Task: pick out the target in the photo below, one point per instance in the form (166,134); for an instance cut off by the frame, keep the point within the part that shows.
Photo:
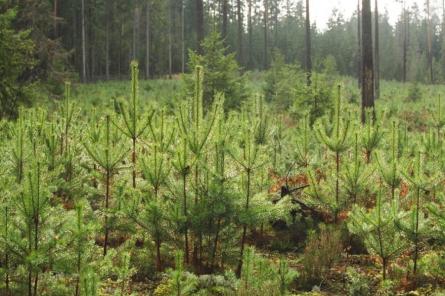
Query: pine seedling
(6,183)
(68,114)
(438,213)
(248,157)
(439,120)
(134,126)
(356,176)
(182,165)
(389,171)
(108,157)
(371,135)
(302,143)
(51,145)
(89,282)
(149,214)
(336,141)
(181,285)
(196,129)
(286,276)
(18,151)
(432,145)
(155,168)
(378,231)
(415,227)
(80,231)
(32,206)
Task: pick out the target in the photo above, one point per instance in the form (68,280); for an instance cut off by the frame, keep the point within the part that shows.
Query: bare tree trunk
(107,40)
(359,50)
(182,38)
(308,45)
(266,37)
(249,24)
(405,41)
(136,26)
(377,51)
(430,41)
(367,59)
(147,40)
(199,23)
(84,54)
(56,33)
(225,11)
(170,41)
(240,32)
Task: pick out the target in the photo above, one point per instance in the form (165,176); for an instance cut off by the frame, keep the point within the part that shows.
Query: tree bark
(199,24)
(249,25)
(170,41)
(240,32)
(308,45)
(107,40)
(225,11)
(359,50)
(84,58)
(377,51)
(56,33)
(266,29)
(147,40)
(367,59)
(405,42)
(430,41)
(182,38)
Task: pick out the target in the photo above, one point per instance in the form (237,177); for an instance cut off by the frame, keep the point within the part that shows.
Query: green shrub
(322,250)
(221,73)
(357,284)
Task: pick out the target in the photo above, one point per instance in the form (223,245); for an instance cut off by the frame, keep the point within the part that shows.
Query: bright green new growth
(415,226)
(371,135)
(337,141)
(390,172)
(377,229)
(133,123)
(356,175)
(108,156)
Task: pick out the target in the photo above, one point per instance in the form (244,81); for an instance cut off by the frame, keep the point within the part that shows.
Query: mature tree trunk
(136,33)
(107,40)
(182,38)
(430,41)
(55,7)
(84,52)
(266,37)
(147,40)
(359,50)
(377,51)
(367,59)
(225,11)
(249,25)
(240,32)
(199,24)
(170,41)
(405,42)
(308,45)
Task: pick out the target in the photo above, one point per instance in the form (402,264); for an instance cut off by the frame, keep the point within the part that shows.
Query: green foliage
(222,73)
(378,230)
(16,57)
(323,249)
(358,285)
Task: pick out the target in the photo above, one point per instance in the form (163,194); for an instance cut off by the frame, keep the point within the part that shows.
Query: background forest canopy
(97,39)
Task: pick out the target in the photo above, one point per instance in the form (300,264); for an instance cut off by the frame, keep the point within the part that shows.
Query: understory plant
(107,154)
(335,136)
(377,229)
